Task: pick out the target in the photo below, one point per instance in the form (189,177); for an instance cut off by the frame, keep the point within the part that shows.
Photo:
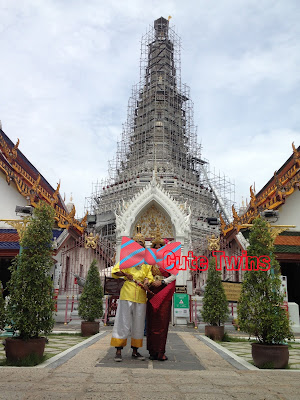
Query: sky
(68,67)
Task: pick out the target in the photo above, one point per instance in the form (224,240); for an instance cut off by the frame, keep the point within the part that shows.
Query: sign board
(232,291)
(180,289)
(181,305)
(113,286)
(189,288)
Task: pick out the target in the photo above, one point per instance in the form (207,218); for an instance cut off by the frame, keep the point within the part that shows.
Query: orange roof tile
(287,240)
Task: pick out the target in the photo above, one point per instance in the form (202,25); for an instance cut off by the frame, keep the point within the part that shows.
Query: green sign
(181,300)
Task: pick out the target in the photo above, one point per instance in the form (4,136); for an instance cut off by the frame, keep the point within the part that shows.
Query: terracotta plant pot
(89,328)
(17,349)
(270,355)
(214,332)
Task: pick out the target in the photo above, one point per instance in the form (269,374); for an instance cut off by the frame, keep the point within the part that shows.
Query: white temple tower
(158,177)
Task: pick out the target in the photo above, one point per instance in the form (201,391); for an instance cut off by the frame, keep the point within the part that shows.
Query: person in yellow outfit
(131,311)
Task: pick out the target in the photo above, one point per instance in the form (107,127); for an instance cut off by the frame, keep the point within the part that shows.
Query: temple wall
(289,213)
(9,199)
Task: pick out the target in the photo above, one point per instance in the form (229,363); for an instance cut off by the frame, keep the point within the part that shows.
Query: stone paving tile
(219,380)
(6,395)
(206,396)
(179,355)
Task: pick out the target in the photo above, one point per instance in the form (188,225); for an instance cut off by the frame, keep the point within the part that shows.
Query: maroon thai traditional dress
(159,314)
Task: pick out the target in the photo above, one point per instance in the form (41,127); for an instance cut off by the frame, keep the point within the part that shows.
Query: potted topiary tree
(215,305)
(2,309)
(30,304)
(90,302)
(259,310)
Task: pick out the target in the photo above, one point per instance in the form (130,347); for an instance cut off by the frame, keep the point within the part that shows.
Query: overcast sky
(67,68)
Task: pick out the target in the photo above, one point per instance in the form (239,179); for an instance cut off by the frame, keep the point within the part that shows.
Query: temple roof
(32,185)
(24,163)
(9,238)
(272,196)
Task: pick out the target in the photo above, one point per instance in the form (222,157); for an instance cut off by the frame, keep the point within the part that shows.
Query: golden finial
(139,237)
(158,239)
(36,183)
(169,17)
(234,213)
(296,155)
(223,223)
(14,149)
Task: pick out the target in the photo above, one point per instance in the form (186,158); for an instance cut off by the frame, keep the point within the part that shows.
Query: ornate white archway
(179,215)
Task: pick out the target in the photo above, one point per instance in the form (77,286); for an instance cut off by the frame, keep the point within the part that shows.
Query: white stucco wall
(289,213)
(9,199)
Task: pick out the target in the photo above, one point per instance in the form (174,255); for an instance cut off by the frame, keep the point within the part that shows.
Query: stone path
(180,357)
(81,377)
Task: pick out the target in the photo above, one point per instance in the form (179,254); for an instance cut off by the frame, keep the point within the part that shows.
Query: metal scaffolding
(160,135)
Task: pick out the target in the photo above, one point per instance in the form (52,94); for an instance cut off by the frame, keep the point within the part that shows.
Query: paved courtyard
(194,371)
(56,344)
(243,349)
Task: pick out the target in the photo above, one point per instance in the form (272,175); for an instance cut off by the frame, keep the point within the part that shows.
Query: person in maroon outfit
(158,315)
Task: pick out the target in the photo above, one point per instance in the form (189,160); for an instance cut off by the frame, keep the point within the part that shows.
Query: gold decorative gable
(281,186)
(31,189)
(152,219)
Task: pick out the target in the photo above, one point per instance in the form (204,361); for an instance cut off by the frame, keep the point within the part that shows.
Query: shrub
(2,308)
(30,305)
(259,309)
(215,305)
(90,302)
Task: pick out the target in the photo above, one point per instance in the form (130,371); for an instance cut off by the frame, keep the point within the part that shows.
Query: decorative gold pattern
(275,230)
(33,191)
(152,219)
(91,241)
(156,273)
(213,242)
(296,155)
(223,223)
(10,154)
(252,199)
(18,224)
(282,185)
(139,237)
(158,239)
(14,152)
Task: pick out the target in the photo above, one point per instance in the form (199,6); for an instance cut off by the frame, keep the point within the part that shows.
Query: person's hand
(129,277)
(156,283)
(146,281)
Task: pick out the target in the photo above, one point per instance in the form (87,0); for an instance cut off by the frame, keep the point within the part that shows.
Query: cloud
(254,159)
(68,69)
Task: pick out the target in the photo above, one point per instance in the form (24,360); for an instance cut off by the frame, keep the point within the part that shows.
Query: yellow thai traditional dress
(131,311)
